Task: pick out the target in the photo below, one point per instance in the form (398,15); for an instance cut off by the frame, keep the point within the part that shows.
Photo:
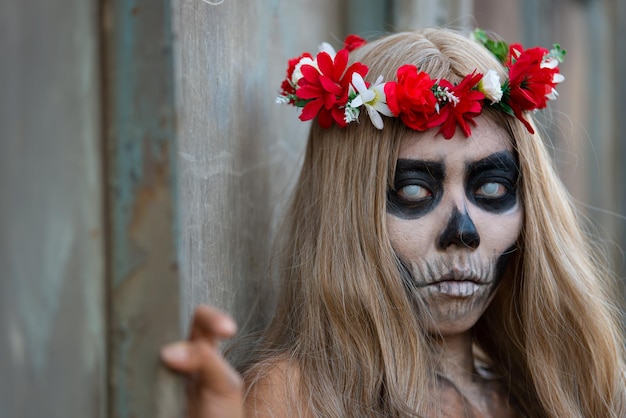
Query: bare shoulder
(273,390)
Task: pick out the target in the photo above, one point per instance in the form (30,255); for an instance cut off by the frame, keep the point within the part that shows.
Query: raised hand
(215,389)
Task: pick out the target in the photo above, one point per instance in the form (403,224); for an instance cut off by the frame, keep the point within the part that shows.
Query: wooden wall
(238,151)
(139,154)
(586,123)
(144,167)
(52,316)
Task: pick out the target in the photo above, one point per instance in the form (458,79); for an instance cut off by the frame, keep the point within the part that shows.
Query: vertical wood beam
(415,14)
(140,148)
(239,151)
(618,25)
(52,339)
(368,17)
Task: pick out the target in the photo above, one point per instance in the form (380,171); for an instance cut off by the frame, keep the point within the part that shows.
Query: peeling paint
(141,146)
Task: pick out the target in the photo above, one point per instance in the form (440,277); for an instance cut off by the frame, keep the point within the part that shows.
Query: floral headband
(326,88)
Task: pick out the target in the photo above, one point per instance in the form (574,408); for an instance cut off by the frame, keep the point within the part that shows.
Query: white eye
(414,192)
(492,190)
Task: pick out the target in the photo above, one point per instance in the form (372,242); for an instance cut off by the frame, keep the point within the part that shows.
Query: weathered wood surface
(585,124)
(52,332)
(616,19)
(238,150)
(140,146)
(77,195)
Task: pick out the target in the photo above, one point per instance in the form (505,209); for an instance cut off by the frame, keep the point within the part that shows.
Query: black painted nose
(460,231)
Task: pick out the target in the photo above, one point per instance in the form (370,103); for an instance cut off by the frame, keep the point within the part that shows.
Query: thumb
(202,360)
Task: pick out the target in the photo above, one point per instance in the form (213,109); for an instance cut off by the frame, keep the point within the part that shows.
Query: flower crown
(326,88)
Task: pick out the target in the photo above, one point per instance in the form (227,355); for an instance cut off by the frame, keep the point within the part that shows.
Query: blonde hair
(345,319)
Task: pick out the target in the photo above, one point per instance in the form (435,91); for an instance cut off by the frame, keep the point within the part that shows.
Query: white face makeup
(453,218)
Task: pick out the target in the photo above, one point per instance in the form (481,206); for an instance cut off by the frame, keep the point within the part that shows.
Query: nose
(459,231)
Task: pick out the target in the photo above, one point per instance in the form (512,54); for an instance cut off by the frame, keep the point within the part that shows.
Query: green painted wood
(143,291)
(52,326)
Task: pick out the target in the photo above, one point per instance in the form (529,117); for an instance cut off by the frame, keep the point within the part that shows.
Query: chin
(448,329)
(453,316)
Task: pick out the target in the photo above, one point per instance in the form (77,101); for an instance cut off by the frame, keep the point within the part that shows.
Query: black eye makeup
(418,187)
(491,183)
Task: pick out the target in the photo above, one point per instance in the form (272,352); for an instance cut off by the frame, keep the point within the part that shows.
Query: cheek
(410,236)
(499,231)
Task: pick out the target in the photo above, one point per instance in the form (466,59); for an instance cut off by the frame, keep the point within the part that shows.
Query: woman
(433,264)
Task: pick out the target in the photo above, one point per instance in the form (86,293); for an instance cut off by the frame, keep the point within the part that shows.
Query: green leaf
(301,102)
(504,107)
(557,53)
(499,49)
(480,35)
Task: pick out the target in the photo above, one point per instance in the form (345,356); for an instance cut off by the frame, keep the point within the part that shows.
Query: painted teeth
(456,288)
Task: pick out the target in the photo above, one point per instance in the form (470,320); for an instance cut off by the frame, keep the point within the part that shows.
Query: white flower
(444,95)
(450,97)
(297,70)
(490,86)
(552,95)
(374,100)
(549,62)
(328,48)
(351,113)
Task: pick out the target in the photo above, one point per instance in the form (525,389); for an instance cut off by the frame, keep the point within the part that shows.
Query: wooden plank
(586,122)
(368,18)
(238,151)
(52,344)
(412,14)
(618,24)
(140,145)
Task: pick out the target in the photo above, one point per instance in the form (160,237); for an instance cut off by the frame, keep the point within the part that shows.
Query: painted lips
(456,285)
(455,288)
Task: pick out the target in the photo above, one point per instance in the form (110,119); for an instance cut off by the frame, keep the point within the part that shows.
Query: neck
(456,359)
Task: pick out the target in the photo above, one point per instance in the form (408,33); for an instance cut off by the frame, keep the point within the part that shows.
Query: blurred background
(144,167)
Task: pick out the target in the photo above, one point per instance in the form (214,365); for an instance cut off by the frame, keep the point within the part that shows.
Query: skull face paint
(454,218)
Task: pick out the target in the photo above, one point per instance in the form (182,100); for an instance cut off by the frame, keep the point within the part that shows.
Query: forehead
(486,139)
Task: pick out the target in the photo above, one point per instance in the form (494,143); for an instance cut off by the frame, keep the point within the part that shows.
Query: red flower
(353,42)
(411,97)
(327,90)
(287,89)
(466,105)
(529,81)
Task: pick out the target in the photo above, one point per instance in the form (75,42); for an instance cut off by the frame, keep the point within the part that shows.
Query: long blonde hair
(345,319)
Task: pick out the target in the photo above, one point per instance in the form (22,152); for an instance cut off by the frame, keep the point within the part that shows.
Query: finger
(211,324)
(203,361)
